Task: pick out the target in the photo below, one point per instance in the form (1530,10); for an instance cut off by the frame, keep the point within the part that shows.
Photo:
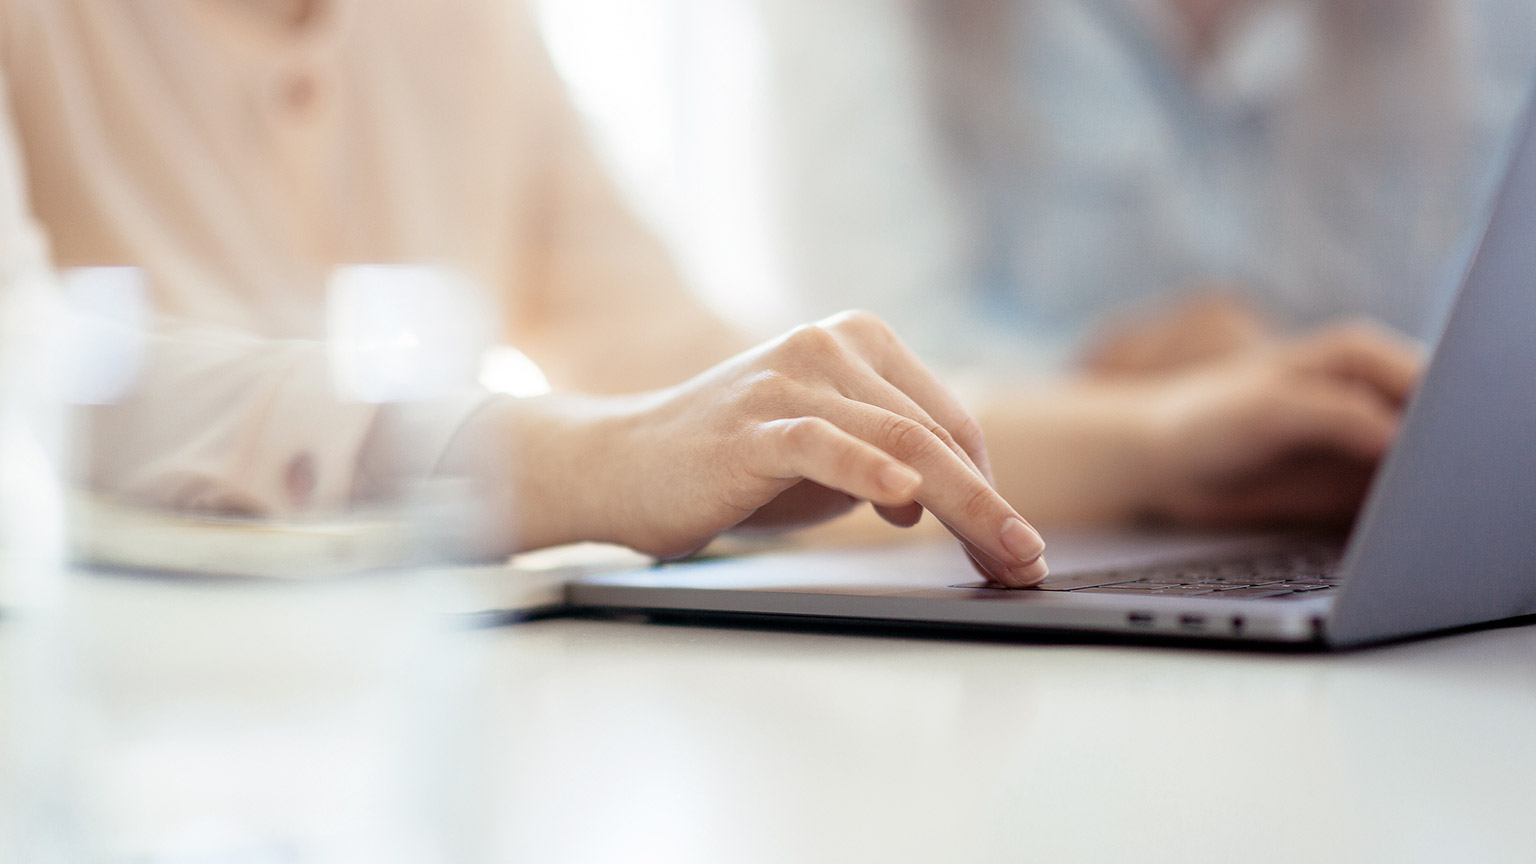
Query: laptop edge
(1447,538)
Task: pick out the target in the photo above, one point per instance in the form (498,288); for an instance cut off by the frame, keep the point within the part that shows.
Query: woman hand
(794,432)
(1287,433)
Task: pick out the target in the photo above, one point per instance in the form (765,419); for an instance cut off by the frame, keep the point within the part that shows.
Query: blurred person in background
(239,151)
(1048,169)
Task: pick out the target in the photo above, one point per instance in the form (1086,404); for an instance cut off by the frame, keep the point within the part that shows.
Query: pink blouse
(239,161)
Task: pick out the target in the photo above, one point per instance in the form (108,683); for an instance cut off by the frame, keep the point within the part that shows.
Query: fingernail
(1032,574)
(899,480)
(1021,541)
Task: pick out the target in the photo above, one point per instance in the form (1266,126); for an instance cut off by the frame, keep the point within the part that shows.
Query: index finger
(955,494)
(891,359)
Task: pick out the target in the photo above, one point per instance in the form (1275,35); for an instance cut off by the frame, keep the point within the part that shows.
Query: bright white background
(676,95)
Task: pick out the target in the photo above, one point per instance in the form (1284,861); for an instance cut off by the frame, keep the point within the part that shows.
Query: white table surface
(633,742)
(614,741)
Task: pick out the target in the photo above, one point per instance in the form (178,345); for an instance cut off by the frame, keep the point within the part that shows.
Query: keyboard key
(1273,574)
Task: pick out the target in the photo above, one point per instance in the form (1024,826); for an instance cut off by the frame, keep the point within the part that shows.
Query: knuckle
(943,434)
(805,433)
(851,318)
(967,432)
(904,436)
(812,342)
(812,337)
(977,501)
(862,323)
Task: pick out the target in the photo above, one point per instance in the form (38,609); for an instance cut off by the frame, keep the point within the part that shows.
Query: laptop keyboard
(1277,574)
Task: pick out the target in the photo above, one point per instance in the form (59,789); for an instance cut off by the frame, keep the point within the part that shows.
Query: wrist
(1148,446)
(1173,458)
(536,474)
(1082,452)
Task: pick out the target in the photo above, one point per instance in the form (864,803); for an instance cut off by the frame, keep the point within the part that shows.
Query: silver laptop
(1447,538)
